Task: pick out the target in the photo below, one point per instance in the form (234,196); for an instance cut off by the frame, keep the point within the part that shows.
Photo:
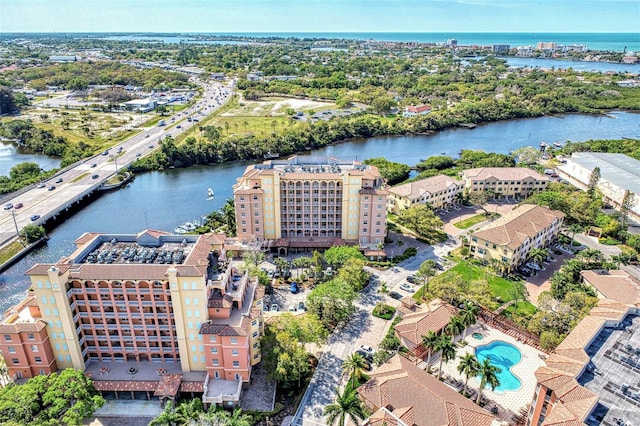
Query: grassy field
(260,118)
(469,222)
(10,250)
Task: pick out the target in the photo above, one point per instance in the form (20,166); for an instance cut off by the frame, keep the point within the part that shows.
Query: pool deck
(514,400)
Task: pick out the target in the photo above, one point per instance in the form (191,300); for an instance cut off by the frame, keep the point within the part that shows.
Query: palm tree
(354,366)
(574,228)
(469,366)
(426,270)
(430,343)
(447,351)
(468,315)
(456,326)
(488,376)
(229,215)
(245,124)
(538,255)
(347,405)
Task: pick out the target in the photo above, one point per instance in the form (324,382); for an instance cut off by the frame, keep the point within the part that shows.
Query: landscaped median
(474,220)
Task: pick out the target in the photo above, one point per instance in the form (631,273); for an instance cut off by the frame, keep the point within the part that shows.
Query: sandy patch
(271,108)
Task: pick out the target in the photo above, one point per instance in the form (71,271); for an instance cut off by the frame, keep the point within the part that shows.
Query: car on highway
(406,287)
(146,135)
(8,206)
(59,180)
(52,187)
(35,217)
(41,185)
(18,206)
(93,165)
(150,146)
(395,295)
(95,177)
(178,127)
(138,155)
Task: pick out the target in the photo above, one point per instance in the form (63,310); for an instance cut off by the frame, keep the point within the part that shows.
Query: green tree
(337,255)
(7,101)
(32,233)
(332,302)
(538,255)
(488,376)
(468,314)
(447,350)
(574,228)
(479,198)
(423,221)
(229,215)
(383,104)
(426,270)
(430,343)
(594,178)
(518,292)
(392,172)
(469,366)
(352,272)
(628,201)
(346,406)
(353,367)
(456,326)
(67,397)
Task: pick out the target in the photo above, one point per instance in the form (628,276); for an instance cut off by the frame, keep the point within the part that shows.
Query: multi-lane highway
(49,198)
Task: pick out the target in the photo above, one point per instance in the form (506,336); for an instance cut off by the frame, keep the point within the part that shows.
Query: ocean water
(593,41)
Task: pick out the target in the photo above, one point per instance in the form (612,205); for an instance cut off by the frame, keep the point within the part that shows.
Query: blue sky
(220,16)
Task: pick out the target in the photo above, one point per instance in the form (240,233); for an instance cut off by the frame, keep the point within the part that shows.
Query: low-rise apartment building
(307,203)
(439,192)
(511,238)
(400,393)
(619,176)
(414,110)
(136,311)
(511,182)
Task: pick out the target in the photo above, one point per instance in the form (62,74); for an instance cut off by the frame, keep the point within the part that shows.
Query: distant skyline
(218,16)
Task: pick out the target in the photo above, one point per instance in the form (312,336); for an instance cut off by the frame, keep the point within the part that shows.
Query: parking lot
(285,300)
(541,282)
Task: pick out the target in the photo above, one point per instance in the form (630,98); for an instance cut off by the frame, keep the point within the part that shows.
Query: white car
(367,349)
(406,287)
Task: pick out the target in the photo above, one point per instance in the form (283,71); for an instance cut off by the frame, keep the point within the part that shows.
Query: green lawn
(469,222)
(525,309)
(499,286)
(10,250)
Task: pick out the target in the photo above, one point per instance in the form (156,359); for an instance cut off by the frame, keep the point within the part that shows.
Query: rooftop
(619,169)
(522,223)
(416,189)
(321,167)
(503,173)
(614,285)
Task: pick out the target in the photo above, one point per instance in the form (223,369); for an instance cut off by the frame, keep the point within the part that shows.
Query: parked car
(406,287)
(412,279)
(294,287)
(292,308)
(366,355)
(301,307)
(35,217)
(395,295)
(275,308)
(439,267)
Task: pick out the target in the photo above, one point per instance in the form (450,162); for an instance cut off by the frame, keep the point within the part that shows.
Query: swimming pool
(503,355)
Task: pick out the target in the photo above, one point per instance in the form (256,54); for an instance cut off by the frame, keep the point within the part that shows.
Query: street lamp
(15,222)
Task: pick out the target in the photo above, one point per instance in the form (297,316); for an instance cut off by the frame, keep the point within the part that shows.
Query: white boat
(210,193)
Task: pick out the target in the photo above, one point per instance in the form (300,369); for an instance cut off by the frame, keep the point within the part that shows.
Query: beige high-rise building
(305,203)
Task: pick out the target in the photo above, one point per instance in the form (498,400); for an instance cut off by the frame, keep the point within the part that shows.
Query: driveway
(541,282)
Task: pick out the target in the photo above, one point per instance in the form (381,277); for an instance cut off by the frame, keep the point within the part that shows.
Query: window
(7,337)
(34,348)
(12,350)
(236,364)
(31,337)
(38,360)
(216,361)
(214,350)
(234,340)
(15,361)
(234,352)
(212,339)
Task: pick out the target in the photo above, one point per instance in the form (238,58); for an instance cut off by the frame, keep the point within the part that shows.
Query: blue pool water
(505,356)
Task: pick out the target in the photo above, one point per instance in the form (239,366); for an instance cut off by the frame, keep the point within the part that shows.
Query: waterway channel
(164,200)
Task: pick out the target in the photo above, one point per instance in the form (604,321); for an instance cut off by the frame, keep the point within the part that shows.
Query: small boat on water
(557,145)
(210,194)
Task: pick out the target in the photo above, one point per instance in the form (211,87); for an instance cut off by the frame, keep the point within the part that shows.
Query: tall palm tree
(468,314)
(456,326)
(488,376)
(538,255)
(347,405)
(229,215)
(430,343)
(469,366)
(354,366)
(447,350)
(574,228)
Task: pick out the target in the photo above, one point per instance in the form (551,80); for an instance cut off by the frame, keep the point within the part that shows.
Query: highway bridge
(39,203)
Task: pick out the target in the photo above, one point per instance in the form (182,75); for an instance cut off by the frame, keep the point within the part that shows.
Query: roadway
(47,199)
